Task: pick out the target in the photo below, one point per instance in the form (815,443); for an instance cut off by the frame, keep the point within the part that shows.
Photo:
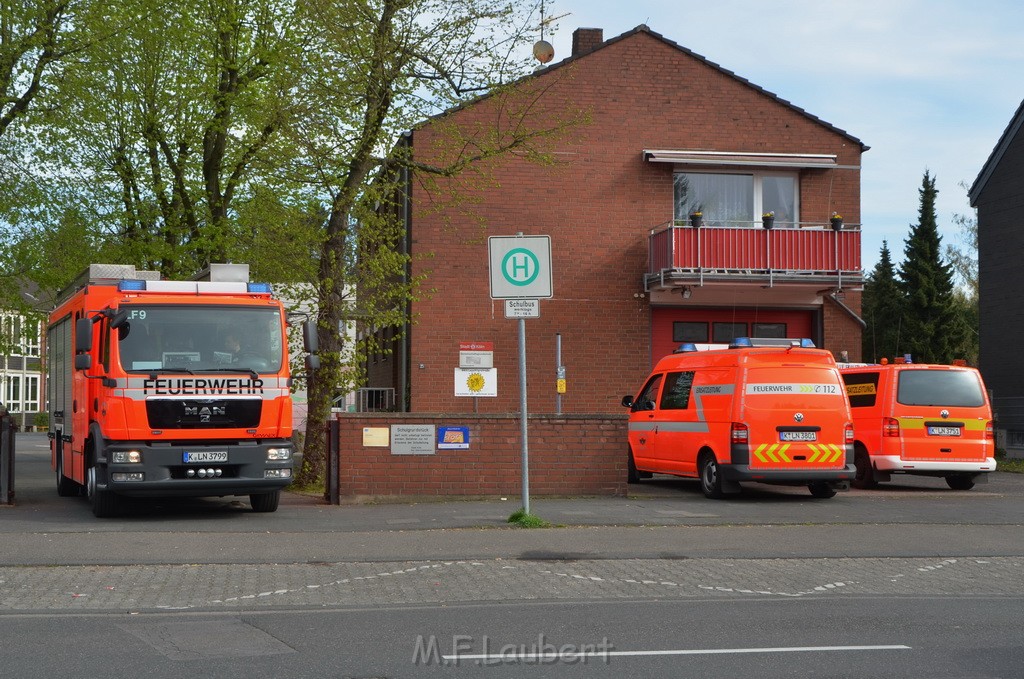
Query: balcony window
(736,199)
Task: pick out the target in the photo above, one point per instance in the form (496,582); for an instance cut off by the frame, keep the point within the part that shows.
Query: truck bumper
(838,478)
(893,463)
(163,471)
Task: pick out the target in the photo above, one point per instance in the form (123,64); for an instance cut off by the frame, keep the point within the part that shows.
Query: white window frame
(758,176)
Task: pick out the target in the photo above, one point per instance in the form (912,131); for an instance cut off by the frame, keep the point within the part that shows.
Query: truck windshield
(186,338)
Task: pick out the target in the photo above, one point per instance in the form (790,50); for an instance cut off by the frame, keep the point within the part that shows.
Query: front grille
(203,414)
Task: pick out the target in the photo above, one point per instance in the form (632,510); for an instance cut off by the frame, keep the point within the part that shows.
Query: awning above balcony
(736,159)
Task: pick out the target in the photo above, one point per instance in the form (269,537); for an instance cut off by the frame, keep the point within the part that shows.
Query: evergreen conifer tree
(933,328)
(882,309)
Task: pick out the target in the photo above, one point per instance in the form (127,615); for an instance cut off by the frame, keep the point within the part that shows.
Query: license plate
(204,456)
(943,431)
(798,436)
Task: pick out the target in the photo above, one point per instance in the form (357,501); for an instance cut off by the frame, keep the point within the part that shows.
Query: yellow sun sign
(475,382)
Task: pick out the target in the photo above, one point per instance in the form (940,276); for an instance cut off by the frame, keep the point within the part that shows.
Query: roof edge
(997,155)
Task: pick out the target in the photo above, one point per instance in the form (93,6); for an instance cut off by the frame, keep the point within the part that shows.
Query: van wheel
(960,482)
(865,477)
(710,477)
(822,490)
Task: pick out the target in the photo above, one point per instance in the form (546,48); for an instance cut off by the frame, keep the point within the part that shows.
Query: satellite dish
(543,51)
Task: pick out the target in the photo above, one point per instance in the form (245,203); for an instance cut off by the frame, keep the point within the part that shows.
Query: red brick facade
(599,201)
(572,455)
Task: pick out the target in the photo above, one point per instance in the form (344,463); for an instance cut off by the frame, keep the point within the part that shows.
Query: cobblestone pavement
(239,587)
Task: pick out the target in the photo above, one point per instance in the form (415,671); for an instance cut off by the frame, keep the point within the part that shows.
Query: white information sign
(520,267)
(522,308)
(476,381)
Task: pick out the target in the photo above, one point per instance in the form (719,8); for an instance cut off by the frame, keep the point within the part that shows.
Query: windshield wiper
(231,369)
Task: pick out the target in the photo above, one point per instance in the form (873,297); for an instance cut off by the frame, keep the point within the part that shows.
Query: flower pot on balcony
(837,223)
(768,222)
(695,219)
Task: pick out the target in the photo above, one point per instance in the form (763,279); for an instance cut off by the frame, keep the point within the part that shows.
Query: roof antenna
(544,51)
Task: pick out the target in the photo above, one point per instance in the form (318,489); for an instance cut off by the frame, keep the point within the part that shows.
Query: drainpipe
(849,312)
(403,363)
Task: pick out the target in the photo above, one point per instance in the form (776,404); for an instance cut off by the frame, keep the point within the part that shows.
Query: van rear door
(943,415)
(796,417)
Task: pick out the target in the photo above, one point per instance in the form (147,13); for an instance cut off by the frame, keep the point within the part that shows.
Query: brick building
(667,133)
(998,195)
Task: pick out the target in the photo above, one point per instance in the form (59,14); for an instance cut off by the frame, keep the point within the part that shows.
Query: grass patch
(1013,465)
(523,519)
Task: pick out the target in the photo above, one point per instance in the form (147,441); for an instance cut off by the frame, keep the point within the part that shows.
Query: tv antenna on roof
(544,51)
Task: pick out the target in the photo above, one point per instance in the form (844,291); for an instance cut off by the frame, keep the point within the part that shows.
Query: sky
(926,84)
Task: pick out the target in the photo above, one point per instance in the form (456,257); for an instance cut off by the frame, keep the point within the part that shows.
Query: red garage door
(670,326)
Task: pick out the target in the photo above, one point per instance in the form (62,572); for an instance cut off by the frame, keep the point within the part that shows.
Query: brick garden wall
(568,455)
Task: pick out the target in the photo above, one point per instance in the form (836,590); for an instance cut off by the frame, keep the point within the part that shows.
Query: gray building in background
(998,195)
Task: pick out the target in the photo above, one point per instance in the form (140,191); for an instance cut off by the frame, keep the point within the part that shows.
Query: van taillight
(740,433)
(849,432)
(988,431)
(890,427)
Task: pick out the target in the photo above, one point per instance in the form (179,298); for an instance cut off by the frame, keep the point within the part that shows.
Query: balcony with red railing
(805,253)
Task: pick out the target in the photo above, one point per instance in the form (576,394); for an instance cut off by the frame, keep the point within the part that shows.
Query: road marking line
(513,657)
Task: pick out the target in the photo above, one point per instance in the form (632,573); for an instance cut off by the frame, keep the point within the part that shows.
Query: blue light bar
(131,285)
(741,342)
(259,287)
(806,343)
(685,348)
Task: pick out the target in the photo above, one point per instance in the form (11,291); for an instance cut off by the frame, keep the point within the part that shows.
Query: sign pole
(522,418)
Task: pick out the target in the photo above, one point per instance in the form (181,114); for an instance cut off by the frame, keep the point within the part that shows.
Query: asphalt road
(913,580)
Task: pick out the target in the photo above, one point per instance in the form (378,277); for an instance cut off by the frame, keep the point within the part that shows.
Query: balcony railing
(812,252)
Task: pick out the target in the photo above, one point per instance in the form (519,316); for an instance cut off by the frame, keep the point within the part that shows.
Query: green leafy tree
(934,328)
(169,120)
(964,260)
(882,309)
(377,69)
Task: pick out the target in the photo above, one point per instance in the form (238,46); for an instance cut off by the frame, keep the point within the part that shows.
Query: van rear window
(939,388)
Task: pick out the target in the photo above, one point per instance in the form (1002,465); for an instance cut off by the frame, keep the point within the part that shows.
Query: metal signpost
(520,274)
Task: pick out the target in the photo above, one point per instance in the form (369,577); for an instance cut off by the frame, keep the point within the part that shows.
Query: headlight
(279,453)
(126,457)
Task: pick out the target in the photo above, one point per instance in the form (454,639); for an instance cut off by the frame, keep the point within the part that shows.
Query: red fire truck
(169,388)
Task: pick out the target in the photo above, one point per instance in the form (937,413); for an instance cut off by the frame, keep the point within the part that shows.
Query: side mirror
(310,339)
(627,401)
(83,336)
(83,362)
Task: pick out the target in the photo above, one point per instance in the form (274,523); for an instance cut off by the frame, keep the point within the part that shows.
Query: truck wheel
(104,503)
(710,476)
(265,502)
(865,477)
(65,486)
(820,489)
(960,482)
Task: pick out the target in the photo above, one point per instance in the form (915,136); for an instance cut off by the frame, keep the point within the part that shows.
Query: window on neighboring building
(32,393)
(723,333)
(689,331)
(768,329)
(737,199)
(14,393)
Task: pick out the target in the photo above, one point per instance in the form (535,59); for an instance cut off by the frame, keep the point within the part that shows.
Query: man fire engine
(169,388)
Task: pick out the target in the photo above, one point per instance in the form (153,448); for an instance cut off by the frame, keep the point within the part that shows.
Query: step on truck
(161,388)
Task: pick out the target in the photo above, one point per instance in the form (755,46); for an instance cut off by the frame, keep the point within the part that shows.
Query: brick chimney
(586,40)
